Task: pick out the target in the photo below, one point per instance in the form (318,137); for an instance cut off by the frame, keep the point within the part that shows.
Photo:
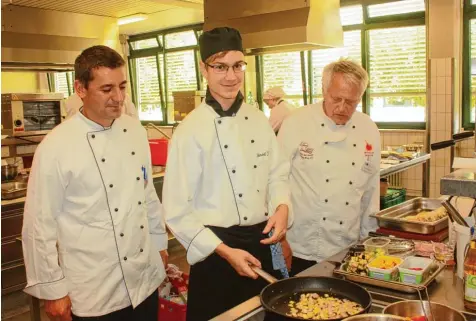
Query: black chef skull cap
(218,40)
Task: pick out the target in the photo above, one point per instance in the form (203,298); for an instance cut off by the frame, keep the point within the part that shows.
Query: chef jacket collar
(92,124)
(329,122)
(233,110)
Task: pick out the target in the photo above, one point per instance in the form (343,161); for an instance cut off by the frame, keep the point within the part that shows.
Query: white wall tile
(433,68)
(440,121)
(441,85)
(433,86)
(449,63)
(440,103)
(448,103)
(440,136)
(449,85)
(441,67)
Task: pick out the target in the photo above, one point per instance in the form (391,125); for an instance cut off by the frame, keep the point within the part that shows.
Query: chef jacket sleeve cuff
(161,240)
(202,245)
(48,291)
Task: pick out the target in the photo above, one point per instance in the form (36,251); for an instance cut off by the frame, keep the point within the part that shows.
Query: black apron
(215,286)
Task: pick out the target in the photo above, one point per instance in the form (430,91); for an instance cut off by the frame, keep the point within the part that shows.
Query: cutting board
(437,237)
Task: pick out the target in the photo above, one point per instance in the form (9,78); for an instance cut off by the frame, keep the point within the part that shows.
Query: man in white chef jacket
(335,162)
(280,109)
(93,224)
(222,168)
(74,103)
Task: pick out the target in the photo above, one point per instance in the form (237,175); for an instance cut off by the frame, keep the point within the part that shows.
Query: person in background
(335,168)
(93,225)
(74,103)
(280,109)
(226,186)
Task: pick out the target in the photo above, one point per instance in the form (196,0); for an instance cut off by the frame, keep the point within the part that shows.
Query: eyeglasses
(223,68)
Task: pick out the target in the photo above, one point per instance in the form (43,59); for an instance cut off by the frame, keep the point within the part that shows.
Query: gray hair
(353,74)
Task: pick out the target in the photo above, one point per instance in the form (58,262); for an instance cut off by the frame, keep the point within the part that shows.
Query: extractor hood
(48,40)
(269,26)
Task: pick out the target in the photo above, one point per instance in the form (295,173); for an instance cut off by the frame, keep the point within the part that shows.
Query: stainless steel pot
(375,317)
(9,172)
(413,308)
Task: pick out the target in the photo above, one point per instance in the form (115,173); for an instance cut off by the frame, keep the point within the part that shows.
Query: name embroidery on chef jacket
(305,151)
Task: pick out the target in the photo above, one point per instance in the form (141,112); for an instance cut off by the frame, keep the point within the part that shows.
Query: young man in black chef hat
(226,192)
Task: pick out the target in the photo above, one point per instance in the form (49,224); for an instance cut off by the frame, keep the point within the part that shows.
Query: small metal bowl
(413,308)
(9,172)
(375,317)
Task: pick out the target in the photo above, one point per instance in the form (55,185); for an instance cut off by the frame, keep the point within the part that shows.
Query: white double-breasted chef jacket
(93,224)
(222,171)
(334,180)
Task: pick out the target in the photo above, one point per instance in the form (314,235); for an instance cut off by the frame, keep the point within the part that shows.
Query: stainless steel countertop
(422,158)
(461,182)
(446,289)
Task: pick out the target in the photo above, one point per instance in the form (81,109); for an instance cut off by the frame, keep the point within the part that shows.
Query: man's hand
(279,221)
(58,310)
(240,260)
(287,253)
(165,258)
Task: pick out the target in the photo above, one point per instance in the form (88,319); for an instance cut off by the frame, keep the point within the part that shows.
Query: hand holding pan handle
(265,275)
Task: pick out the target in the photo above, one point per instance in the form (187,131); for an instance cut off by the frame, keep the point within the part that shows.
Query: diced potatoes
(312,306)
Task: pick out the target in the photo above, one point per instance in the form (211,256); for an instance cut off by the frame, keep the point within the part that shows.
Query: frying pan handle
(265,275)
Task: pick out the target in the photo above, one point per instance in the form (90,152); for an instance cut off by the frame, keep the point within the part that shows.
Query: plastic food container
(384,267)
(414,270)
(378,245)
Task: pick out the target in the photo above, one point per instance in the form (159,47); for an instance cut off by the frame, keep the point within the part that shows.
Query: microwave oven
(31,114)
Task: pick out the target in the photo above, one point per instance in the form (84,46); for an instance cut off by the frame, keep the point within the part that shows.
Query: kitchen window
(161,63)
(469,65)
(397,70)
(388,39)
(62,82)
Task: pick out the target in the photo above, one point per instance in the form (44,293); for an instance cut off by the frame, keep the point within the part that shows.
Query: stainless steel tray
(13,190)
(435,269)
(392,218)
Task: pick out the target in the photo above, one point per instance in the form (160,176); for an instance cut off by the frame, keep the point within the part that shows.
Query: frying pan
(276,295)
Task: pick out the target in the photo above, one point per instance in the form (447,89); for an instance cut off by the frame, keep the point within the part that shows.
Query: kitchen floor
(15,306)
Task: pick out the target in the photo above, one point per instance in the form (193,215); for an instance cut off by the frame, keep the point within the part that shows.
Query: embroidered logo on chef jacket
(305,151)
(263,154)
(369,150)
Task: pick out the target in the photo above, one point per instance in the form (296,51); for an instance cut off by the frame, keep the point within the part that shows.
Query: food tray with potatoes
(419,215)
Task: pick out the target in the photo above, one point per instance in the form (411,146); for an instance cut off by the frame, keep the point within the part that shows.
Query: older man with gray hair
(335,162)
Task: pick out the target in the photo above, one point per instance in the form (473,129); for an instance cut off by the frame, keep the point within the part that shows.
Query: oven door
(41,116)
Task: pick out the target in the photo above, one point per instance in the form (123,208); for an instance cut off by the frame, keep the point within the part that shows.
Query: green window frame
(469,55)
(164,45)
(367,25)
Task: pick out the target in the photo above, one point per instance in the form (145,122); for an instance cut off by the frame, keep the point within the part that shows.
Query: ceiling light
(131,19)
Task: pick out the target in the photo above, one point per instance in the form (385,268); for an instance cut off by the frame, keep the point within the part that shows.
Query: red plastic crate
(171,311)
(158,151)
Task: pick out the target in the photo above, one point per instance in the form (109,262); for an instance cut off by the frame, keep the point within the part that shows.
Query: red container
(158,151)
(171,311)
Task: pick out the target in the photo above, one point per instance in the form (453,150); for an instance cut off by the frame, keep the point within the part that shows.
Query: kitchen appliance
(31,114)
(375,317)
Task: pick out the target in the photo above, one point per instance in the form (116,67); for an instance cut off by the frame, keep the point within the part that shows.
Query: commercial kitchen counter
(446,289)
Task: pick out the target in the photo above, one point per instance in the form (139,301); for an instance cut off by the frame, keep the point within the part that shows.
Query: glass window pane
(322,57)
(473,68)
(284,70)
(397,7)
(351,15)
(148,90)
(144,44)
(61,83)
(398,74)
(181,75)
(180,39)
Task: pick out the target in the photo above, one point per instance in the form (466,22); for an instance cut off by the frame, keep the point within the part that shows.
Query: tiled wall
(412,178)
(441,121)
(465,148)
